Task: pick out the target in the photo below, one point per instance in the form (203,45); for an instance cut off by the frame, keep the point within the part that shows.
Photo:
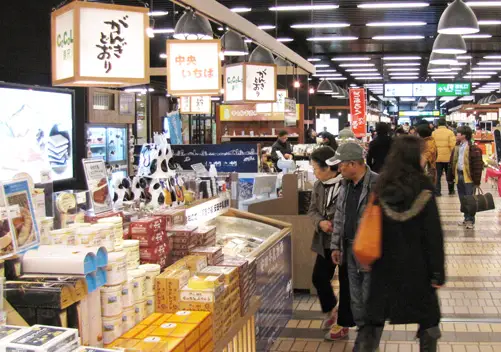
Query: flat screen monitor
(398,90)
(36,132)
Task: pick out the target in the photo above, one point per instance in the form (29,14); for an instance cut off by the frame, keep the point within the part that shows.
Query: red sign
(358,110)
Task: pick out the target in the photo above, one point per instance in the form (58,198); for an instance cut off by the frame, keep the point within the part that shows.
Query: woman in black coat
(405,279)
(379,147)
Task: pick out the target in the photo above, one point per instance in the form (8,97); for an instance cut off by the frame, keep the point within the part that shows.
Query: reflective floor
(471,300)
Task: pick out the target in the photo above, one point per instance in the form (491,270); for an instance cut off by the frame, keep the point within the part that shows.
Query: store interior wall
(25,59)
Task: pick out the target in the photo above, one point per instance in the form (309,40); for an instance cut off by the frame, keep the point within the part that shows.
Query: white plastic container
(140,308)
(128,294)
(46,226)
(138,277)
(152,271)
(87,236)
(59,237)
(111,300)
(112,328)
(131,247)
(107,235)
(117,269)
(117,223)
(150,305)
(128,319)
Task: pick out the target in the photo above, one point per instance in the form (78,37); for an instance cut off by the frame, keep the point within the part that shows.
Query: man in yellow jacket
(446,141)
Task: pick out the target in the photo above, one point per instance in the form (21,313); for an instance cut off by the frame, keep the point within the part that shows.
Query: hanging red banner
(358,110)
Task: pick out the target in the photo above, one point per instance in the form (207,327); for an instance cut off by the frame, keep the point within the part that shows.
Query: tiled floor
(471,300)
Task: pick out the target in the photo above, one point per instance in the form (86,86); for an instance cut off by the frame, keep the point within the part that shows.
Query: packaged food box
(145,230)
(230,273)
(164,319)
(168,289)
(213,254)
(201,295)
(9,333)
(206,233)
(93,218)
(159,344)
(154,253)
(153,318)
(123,343)
(241,264)
(176,217)
(208,348)
(194,348)
(136,330)
(189,332)
(43,338)
(206,338)
(95,349)
(183,231)
(202,319)
(205,281)
(162,261)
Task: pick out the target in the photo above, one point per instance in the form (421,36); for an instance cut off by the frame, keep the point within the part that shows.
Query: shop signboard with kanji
(453,89)
(250,83)
(358,111)
(193,67)
(100,45)
(196,105)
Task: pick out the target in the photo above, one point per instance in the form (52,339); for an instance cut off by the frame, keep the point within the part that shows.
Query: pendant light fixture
(442,59)
(449,44)
(233,44)
(458,18)
(325,87)
(192,26)
(281,62)
(262,56)
(336,90)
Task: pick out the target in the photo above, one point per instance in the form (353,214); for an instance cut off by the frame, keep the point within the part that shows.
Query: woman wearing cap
(322,209)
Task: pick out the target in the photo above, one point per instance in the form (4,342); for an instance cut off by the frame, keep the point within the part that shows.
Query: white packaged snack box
(9,333)
(42,338)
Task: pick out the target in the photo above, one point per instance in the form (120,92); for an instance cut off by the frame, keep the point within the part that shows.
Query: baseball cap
(346,152)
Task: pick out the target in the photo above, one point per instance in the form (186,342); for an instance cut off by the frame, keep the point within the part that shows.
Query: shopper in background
(329,140)
(446,141)
(311,136)
(266,165)
(346,132)
(400,132)
(405,279)
(431,126)
(358,182)
(412,131)
(465,169)
(429,153)
(406,127)
(322,209)
(379,147)
(282,146)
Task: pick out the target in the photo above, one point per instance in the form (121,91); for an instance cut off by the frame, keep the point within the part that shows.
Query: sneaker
(469,225)
(328,323)
(337,333)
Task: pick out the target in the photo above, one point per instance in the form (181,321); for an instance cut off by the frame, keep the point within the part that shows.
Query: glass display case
(110,144)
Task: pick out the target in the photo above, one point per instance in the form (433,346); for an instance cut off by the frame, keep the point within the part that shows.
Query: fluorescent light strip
(319,25)
(350,58)
(285,40)
(354,74)
(459,64)
(456,69)
(464,57)
(492,57)
(360,70)
(403,64)
(489,63)
(392,5)
(487,68)
(483,3)
(481,73)
(396,24)
(477,36)
(327,75)
(303,7)
(158,13)
(248,40)
(356,65)
(321,65)
(407,99)
(266,27)
(402,69)
(324,71)
(368,78)
(442,76)
(489,23)
(313,59)
(398,37)
(335,78)
(406,77)
(163,56)
(400,58)
(440,70)
(163,30)
(241,9)
(477,77)
(331,39)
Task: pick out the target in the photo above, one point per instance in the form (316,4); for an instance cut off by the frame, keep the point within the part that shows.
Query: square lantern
(250,83)
(196,105)
(100,45)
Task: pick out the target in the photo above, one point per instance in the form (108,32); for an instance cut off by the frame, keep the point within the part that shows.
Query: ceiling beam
(221,14)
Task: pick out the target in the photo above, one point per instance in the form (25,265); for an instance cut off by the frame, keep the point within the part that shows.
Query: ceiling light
(297,84)
(402,69)
(407,99)
(313,59)
(442,59)
(477,77)
(483,3)
(464,57)
(399,58)
(331,38)
(354,74)
(336,78)
(321,65)
(459,64)
(477,36)
(492,57)
(303,7)
(486,68)
(403,64)
(324,71)
(158,13)
(368,78)
(404,77)
(192,26)
(439,70)
(356,65)
(215,98)
(458,18)
(391,5)
(163,30)
(150,33)
(327,75)
(319,25)
(247,40)
(261,55)
(396,24)
(361,70)
(312,90)
(481,73)
(163,56)
(350,58)
(285,40)
(489,63)
(220,28)
(449,44)
(467,98)
(233,44)
(456,69)
(241,9)
(266,27)
(489,22)
(325,87)
(442,76)
(398,37)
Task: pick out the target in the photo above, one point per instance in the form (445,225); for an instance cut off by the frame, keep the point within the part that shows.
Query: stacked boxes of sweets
(214,254)
(232,292)
(183,331)
(206,235)
(38,338)
(153,243)
(184,239)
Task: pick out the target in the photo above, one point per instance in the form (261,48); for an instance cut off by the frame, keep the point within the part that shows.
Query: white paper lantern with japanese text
(259,84)
(100,45)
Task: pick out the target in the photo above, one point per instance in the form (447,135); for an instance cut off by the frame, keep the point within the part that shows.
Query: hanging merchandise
(175,130)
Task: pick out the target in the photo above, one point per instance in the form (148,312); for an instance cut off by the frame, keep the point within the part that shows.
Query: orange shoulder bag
(368,240)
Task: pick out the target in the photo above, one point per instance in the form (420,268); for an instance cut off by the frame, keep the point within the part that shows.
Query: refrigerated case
(109,143)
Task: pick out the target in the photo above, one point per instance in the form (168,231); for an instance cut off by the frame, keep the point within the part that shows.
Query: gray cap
(347,152)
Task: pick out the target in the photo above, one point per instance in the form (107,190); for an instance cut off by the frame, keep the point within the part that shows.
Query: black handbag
(477,202)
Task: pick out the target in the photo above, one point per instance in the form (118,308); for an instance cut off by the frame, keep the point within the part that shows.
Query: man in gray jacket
(358,182)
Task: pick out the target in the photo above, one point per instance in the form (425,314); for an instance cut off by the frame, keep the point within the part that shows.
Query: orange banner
(358,110)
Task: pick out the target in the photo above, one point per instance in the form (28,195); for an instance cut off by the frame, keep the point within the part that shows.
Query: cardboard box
(189,332)
(154,254)
(205,281)
(195,263)
(149,231)
(168,289)
(194,348)
(206,233)
(206,338)
(202,319)
(160,344)
(165,319)
(208,348)
(136,330)
(176,217)
(153,318)
(201,295)
(93,218)
(43,338)
(214,254)
(231,274)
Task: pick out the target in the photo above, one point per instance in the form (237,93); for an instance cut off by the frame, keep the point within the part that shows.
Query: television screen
(36,132)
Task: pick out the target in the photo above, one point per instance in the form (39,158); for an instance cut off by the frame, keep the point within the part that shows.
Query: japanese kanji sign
(196,105)
(96,44)
(358,110)
(250,83)
(193,67)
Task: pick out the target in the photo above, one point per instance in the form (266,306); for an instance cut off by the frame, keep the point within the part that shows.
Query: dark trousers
(323,272)
(465,189)
(442,168)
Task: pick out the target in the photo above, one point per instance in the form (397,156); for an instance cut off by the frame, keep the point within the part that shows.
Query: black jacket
(378,150)
(284,148)
(412,260)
